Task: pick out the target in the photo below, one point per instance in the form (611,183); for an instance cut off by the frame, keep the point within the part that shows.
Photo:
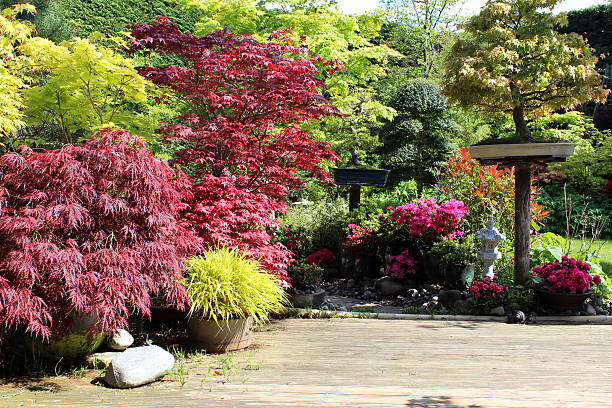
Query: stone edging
(315,313)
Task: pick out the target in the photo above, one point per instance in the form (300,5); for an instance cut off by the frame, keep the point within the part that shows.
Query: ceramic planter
(308,299)
(562,301)
(226,335)
(367,266)
(457,276)
(500,152)
(76,344)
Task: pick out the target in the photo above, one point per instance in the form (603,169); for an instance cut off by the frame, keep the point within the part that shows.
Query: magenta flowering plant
(488,292)
(566,276)
(362,240)
(401,265)
(428,221)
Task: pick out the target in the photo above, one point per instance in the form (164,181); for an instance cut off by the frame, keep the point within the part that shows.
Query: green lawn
(605,254)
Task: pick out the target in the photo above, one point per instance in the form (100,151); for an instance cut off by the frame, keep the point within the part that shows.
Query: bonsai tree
(511,60)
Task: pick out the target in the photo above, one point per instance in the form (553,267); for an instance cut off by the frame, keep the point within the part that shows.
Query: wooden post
(522,221)
(354,196)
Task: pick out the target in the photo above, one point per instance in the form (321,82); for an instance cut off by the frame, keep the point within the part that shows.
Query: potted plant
(363,243)
(305,278)
(418,226)
(228,293)
(457,258)
(564,285)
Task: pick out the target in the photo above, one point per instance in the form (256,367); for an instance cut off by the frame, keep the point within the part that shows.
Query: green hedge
(110,16)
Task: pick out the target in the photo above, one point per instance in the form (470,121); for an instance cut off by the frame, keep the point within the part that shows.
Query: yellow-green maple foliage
(13,65)
(512,60)
(84,87)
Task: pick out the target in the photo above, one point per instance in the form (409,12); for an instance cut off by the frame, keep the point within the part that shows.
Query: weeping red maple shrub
(244,145)
(89,229)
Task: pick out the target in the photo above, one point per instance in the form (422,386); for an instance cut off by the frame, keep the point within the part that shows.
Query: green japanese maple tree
(512,60)
(83,87)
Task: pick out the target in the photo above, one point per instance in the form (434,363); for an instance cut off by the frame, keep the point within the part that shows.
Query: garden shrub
(486,191)
(242,140)
(89,229)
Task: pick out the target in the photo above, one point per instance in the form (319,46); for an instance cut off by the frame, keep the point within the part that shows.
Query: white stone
(138,366)
(121,340)
(101,360)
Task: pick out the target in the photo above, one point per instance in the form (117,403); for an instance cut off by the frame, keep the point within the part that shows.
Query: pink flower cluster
(488,290)
(361,239)
(568,276)
(427,218)
(401,265)
(322,258)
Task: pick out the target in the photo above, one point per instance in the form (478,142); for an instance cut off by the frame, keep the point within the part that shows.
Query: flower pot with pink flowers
(564,285)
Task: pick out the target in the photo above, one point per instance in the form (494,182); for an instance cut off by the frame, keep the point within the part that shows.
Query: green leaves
(83,86)
(510,57)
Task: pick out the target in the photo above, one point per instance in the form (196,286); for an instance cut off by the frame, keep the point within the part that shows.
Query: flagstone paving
(368,363)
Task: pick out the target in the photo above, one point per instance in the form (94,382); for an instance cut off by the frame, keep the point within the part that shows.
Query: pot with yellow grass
(229,293)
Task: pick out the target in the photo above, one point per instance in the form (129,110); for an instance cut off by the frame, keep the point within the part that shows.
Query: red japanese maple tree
(243,141)
(89,229)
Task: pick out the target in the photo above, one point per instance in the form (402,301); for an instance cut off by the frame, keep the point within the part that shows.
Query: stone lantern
(489,238)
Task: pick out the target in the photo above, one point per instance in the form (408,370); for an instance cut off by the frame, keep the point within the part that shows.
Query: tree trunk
(518,115)
(522,222)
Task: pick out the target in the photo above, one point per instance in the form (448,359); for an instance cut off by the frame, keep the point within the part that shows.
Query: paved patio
(369,363)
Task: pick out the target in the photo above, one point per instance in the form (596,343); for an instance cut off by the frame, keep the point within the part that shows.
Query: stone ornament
(489,238)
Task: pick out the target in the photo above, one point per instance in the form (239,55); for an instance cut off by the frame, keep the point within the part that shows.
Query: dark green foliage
(419,137)
(62,19)
(595,23)
(584,209)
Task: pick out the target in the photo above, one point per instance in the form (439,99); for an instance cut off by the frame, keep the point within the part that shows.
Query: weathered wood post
(522,220)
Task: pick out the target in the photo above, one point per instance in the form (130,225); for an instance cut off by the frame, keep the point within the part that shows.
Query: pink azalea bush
(427,221)
(401,265)
(568,276)
(488,292)
(362,240)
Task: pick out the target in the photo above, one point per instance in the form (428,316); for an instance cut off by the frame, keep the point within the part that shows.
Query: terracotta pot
(226,335)
(308,299)
(562,301)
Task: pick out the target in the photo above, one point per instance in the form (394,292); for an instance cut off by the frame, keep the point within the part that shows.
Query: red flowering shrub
(488,292)
(401,265)
(568,276)
(485,190)
(324,258)
(89,229)
(243,140)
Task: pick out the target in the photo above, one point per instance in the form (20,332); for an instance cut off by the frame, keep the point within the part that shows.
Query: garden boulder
(121,340)
(138,366)
(447,298)
(389,286)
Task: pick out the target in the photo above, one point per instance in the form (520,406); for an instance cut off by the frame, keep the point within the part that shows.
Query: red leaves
(244,137)
(89,229)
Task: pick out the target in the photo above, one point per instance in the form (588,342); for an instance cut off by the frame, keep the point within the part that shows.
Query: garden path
(369,363)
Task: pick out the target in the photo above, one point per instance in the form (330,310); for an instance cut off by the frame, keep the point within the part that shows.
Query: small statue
(489,237)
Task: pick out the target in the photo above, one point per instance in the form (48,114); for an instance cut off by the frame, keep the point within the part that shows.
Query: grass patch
(605,253)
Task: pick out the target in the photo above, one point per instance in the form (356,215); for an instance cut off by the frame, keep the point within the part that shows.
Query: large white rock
(121,340)
(138,366)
